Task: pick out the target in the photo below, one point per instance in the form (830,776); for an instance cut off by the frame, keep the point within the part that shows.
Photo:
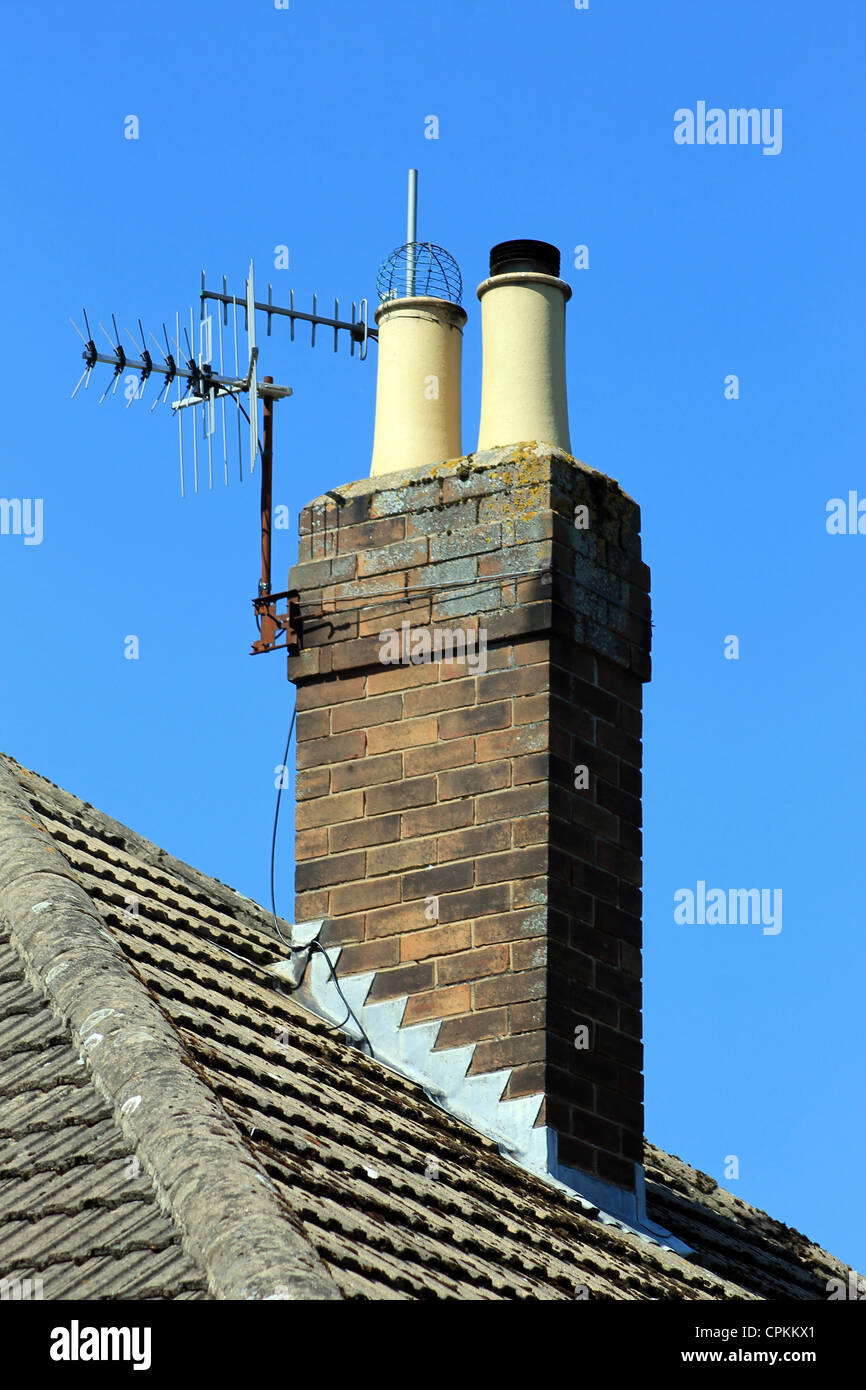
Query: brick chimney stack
(475,638)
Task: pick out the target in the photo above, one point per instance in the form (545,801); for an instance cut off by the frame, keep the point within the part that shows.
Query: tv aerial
(197,370)
(203,383)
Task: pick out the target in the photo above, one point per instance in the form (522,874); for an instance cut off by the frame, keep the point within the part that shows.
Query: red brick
(367,772)
(429,820)
(434,698)
(595,1130)
(436,941)
(500,685)
(531,892)
(406,979)
(529,954)
(517,863)
(404,854)
(616,1046)
(458,668)
(457,1032)
(526,653)
(527,1080)
(516,801)
(477,902)
(533,709)
(510,989)
(330,810)
(618,861)
(630,779)
(311,844)
(612,1106)
(595,881)
(314,723)
(624,925)
(615,741)
(363,714)
(315,781)
(582,810)
(523,1018)
(446,878)
(629,1020)
(512,743)
(576,1154)
(339,748)
(403,555)
(531,830)
(367,535)
(472,781)
(471,965)
(338,930)
(403,917)
(357,897)
(392,678)
(380,830)
(398,796)
(335,869)
(462,722)
(310,695)
(630,959)
(509,926)
(439,1003)
(309,907)
(507,1052)
(368,955)
(407,733)
(618,984)
(532,767)
(468,844)
(459,752)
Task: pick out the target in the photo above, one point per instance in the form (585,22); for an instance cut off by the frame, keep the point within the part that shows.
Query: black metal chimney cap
(537,256)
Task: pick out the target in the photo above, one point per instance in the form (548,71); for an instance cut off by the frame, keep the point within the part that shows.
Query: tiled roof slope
(395,1197)
(75,1210)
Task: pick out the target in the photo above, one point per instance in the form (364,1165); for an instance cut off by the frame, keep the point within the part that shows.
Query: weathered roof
(274,1160)
(75,1209)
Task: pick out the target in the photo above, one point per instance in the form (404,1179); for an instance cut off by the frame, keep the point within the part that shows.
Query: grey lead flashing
(475,1099)
(226,1208)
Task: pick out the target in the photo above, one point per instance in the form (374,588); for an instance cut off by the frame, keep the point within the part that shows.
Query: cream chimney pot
(523,391)
(417,383)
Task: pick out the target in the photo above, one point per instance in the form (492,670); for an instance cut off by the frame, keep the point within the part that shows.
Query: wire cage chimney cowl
(418,389)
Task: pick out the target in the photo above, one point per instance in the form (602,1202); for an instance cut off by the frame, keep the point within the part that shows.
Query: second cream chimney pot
(523,391)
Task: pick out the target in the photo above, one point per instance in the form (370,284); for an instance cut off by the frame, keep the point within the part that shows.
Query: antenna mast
(411,232)
(198,384)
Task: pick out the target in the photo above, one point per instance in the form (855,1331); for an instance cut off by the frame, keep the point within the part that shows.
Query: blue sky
(261,127)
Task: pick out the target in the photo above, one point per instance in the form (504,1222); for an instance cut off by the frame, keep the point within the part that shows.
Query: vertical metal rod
(208,409)
(205,347)
(180,412)
(411,232)
(237,402)
(180,444)
(223,404)
(194,435)
(269,627)
(253,392)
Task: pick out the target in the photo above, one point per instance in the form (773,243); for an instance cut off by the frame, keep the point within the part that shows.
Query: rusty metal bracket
(272,623)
